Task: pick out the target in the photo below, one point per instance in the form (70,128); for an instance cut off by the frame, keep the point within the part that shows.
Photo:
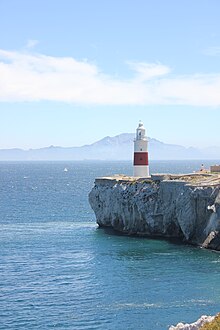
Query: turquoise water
(59,271)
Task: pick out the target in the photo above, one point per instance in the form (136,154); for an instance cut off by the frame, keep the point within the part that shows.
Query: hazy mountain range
(119,147)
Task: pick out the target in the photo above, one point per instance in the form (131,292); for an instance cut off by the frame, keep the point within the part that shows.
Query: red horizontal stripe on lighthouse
(141,158)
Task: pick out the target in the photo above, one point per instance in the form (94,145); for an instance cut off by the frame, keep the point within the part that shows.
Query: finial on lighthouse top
(141,124)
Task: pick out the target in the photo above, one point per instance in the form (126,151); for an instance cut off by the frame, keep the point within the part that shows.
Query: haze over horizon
(74,72)
(117,148)
(99,141)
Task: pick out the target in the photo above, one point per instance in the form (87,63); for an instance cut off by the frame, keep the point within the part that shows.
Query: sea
(58,270)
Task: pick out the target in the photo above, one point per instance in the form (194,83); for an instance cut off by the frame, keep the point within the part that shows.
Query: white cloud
(147,71)
(31,43)
(30,77)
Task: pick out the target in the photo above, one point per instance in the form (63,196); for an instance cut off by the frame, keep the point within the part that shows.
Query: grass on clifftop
(214,325)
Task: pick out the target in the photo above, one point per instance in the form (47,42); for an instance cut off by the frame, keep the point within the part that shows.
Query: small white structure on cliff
(215,168)
(141,166)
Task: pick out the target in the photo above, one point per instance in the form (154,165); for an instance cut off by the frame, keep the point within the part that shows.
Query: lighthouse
(141,166)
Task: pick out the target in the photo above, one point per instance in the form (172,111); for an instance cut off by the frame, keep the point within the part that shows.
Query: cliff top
(195,179)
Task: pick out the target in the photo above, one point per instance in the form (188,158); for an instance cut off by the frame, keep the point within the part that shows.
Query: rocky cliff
(173,206)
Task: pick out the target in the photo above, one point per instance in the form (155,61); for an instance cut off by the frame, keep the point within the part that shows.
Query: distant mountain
(119,147)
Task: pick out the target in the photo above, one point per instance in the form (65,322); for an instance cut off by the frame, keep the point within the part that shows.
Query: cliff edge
(186,207)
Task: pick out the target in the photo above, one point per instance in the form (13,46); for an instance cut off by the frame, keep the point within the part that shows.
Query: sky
(73,72)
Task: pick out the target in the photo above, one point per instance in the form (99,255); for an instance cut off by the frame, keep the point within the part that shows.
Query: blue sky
(72,72)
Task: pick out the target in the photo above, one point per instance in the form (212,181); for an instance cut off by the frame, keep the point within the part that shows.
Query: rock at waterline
(193,326)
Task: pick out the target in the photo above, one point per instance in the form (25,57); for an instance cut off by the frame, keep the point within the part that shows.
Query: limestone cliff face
(166,207)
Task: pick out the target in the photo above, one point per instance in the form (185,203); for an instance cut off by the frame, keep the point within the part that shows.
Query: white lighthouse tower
(141,166)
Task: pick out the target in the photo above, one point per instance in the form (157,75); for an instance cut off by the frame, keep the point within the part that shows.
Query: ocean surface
(58,270)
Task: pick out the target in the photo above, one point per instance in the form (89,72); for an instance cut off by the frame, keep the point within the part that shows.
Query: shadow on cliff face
(174,232)
(112,232)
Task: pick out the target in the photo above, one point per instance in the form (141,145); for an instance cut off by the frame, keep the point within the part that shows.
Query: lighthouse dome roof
(141,125)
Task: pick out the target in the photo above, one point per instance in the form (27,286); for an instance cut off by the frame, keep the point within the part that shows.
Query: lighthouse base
(141,171)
